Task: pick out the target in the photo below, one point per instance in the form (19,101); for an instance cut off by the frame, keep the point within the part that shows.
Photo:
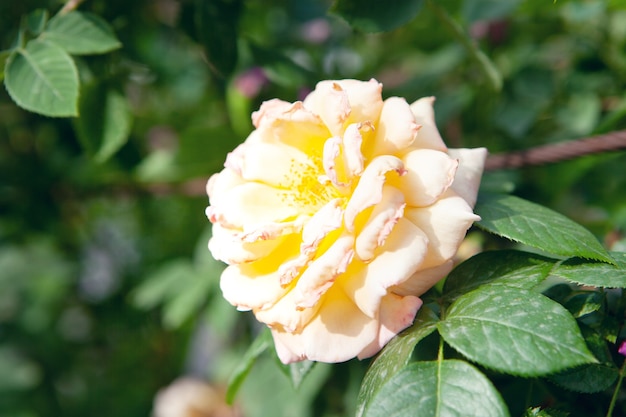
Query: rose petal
(422,280)
(428,175)
(284,314)
(400,257)
(221,183)
(396,129)
(380,223)
(336,334)
(368,191)
(247,287)
(322,272)
(332,150)
(291,125)
(352,141)
(445,222)
(227,246)
(364,99)
(331,103)
(396,314)
(428,136)
(253,203)
(467,179)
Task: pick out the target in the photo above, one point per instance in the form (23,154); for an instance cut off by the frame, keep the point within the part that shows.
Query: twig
(557,152)
(69,6)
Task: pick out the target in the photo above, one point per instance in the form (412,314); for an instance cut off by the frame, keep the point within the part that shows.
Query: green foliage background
(107,291)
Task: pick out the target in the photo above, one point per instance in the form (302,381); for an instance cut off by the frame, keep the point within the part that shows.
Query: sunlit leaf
(450,388)
(513,268)
(537,226)
(42,78)
(81,33)
(376,16)
(515,331)
(596,274)
(394,357)
(260,345)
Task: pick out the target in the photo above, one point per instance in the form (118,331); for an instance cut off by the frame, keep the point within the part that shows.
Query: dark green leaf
(594,273)
(515,331)
(4,56)
(260,345)
(81,33)
(450,388)
(588,302)
(537,226)
(593,377)
(394,357)
(217,23)
(376,16)
(513,268)
(279,68)
(105,121)
(35,21)
(42,78)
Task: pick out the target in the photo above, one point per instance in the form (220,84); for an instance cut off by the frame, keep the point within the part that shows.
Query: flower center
(308,191)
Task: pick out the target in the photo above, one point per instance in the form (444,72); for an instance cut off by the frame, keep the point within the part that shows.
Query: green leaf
(515,331)
(450,388)
(537,226)
(298,371)
(105,121)
(42,78)
(594,273)
(514,268)
(216,24)
(35,21)
(260,345)
(4,56)
(81,33)
(376,16)
(394,357)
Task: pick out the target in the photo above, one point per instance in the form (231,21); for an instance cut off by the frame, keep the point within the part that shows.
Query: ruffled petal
(398,260)
(221,183)
(467,179)
(396,129)
(252,203)
(428,136)
(331,103)
(322,272)
(247,288)
(428,175)
(352,141)
(396,314)
(227,246)
(384,217)
(336,334)
(369,190)
(445,222)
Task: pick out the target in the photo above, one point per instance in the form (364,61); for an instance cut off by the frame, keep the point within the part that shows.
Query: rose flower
(336,214)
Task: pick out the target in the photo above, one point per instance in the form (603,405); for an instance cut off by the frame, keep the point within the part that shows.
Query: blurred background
(107,291)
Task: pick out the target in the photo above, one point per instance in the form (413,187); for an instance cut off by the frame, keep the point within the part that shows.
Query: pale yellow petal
(384,217)
(396,129)
(428,175)
(247,288)
(336,334)
(285,314)
(321,273)
(252,203)
(396,314)
(422,280)
(331,103)
(428,136)
(467,179)
(399,258)
(368,191)
(221,183)
(445,222)
(227,246)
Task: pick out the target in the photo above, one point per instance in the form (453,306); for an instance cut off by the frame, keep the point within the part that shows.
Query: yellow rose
(336,213)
